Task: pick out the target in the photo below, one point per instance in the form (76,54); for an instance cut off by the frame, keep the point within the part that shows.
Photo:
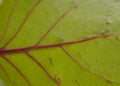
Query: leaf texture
(60,43)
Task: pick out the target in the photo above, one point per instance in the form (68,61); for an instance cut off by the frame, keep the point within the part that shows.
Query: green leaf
(60,42)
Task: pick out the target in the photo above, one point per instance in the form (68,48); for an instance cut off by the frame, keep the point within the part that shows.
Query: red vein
(8,22)
(16,68)
(42,67)
(83,67)
(5,72)
(19,50)
(23,23)
(53,26)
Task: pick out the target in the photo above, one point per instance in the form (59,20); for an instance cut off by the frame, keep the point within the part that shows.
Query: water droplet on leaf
(61,38)
(1,83)
(74,4)
(1,2)
(104,31)
(108,20)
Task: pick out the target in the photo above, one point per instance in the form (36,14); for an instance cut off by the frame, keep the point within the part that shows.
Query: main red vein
(53,26)
(23,23)
(11,51)
(17,69)
(83,67)
(42,67)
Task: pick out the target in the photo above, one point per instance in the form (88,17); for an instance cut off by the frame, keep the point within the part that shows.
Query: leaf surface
(60,43)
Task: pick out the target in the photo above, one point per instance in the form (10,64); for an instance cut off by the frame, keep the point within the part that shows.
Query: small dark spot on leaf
(51,61)
(116,0)
(109,81)
(118,37)
(77,81)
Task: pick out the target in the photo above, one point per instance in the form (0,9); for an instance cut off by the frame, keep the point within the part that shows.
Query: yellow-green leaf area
(60,42)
